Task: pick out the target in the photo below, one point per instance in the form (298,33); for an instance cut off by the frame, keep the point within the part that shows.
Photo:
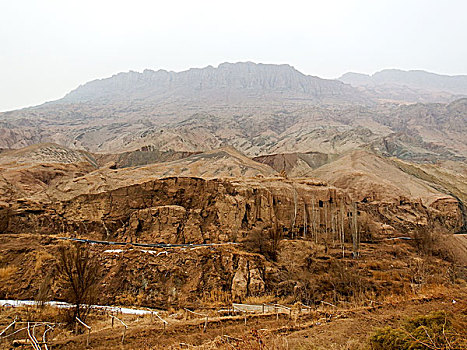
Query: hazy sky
(49,47)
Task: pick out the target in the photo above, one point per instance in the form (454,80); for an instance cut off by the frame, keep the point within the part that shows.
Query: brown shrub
(264,242)
(7,272)
(79,274)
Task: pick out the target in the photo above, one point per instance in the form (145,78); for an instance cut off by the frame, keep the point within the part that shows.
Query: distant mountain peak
(225,83)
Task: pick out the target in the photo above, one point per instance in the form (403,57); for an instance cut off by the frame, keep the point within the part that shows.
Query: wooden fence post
(123,324)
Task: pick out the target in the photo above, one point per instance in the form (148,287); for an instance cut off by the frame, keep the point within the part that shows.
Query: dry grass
(41,257)
(261,340)
(387,276)
(262,299)
(437,330)
(376,265)
(130,300)
(7,272)
(217,297)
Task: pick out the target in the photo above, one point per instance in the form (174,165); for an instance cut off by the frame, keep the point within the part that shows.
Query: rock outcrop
(184,210)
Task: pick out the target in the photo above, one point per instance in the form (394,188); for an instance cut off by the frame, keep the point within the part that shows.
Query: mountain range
(259,109)
(415,79)
(228,83)
(409,86)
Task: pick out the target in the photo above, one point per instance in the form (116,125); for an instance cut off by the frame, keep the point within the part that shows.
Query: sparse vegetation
(264,242)
(79,273)
(437,330)
(7,272)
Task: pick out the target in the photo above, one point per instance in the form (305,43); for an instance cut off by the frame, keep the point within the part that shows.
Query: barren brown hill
(143,156)
(220,163)
(447,176)
(45,153)
(372,179)
(366,177)
(264,238)
(296,164)
(30,172)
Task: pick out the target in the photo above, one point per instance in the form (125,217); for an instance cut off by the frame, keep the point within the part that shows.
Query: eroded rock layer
(182,210)
(195,210)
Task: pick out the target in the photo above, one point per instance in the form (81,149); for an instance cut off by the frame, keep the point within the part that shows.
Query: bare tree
(313,218)
(319,229)
(355,233)
(295,209)
(80,274)
(326,221)
(342,233)
(305,217)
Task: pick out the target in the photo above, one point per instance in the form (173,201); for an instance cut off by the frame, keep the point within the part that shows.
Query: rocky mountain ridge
(456,84)
(258,109)
(227,83)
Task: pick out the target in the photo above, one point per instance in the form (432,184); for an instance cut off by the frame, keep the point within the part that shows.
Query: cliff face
(156,278)
(195,210)
(183,210)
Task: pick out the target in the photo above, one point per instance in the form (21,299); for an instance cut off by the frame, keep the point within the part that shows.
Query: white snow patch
(113,251)
(61,304)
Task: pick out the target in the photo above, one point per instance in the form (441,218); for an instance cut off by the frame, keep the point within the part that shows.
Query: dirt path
(349,332)
(184,332)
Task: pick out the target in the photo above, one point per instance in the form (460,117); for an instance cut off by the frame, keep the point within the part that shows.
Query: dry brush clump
(427,240)
(253,340)
(332,281)
(431,244)
(79,275)
(7,272)
(437,330)
(264,242)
